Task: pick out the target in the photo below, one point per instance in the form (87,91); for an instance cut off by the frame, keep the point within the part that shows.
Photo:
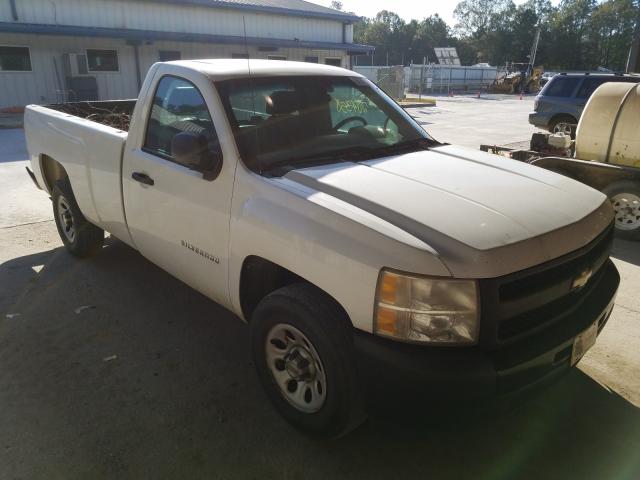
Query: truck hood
(484,215)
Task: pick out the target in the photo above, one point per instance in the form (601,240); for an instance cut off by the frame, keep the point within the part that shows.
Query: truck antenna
(253,96)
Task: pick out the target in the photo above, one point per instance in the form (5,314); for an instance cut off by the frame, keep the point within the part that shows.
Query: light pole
(633,61)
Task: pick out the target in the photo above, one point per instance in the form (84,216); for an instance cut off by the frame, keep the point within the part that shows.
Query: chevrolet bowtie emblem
(582,279)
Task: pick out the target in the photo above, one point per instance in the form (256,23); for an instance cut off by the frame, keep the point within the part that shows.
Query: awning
(150,35)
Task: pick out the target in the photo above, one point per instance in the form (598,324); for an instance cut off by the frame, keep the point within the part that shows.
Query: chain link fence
(450,78)
(430,78)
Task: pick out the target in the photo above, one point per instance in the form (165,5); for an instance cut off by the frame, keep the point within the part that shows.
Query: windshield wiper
(414,144)
(340,154)
(355,153)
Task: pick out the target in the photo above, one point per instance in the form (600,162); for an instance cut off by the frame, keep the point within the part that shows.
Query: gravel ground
(111,368)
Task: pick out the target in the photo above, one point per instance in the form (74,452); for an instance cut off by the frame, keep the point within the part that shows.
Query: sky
(407,9)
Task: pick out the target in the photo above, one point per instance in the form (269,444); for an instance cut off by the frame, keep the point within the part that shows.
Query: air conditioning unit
(75,64)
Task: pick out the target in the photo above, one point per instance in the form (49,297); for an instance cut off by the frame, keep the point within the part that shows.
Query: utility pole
(534,48)
(633,61)
(424,60)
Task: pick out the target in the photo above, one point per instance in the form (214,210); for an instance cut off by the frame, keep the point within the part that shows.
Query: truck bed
(114,113)
(85,139)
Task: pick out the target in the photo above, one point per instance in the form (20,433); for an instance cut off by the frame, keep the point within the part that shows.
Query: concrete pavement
(19,204)
(470,121)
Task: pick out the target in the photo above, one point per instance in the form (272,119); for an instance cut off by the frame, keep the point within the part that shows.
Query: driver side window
(178,110)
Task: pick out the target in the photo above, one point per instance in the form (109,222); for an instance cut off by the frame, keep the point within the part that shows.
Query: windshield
(288,122)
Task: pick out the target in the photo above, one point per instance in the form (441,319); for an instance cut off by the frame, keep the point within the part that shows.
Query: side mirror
(194,152)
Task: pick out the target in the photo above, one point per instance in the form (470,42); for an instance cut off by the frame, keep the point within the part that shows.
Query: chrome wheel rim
(627,211)
(296,368)
(66,219)
(563,127)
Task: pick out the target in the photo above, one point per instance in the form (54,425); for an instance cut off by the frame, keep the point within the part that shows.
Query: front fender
(334,245)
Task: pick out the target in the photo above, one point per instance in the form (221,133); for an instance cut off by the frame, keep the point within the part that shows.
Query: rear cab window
(561,86)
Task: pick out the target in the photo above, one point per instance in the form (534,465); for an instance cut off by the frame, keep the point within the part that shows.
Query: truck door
(178,215)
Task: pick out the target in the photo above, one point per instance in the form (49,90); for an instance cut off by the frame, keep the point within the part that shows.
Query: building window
(336,62)
(102,60)
(15,59)
(169,55)
(311,59)
(239,55)
(276,57)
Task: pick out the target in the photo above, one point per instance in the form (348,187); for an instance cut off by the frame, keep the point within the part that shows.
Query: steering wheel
(342,123)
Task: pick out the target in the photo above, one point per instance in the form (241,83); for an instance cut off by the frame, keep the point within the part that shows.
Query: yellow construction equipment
(515,80)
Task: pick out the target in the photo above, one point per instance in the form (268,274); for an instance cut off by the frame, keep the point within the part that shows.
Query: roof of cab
(221,69)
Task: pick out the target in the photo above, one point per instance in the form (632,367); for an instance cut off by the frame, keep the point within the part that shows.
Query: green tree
(476,16)
(611,30)
(570,34)
(430,33)
(575,35)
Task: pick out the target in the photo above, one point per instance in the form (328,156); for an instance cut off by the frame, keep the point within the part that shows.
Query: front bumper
(447,374)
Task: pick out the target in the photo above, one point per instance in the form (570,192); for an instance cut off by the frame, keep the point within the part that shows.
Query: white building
(65,50)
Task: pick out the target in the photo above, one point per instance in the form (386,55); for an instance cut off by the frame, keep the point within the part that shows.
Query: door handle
(142,178)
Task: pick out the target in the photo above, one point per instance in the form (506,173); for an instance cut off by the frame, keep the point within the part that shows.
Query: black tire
(87,238)
(323,322)
(563,119)
(625,208)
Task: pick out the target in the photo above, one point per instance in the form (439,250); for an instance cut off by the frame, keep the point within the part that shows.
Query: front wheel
(625,199)
(80,237)
(303,353)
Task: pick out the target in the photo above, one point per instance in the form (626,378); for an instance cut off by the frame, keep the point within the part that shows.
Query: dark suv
(559,104)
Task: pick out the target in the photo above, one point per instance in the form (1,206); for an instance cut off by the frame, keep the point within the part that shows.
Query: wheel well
(259,277)
(52,171)
(559,116)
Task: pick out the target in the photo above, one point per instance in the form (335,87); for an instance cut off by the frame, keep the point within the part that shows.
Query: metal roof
(142,35)
(298,8)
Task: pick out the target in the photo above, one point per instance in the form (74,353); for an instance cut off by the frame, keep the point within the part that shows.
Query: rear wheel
(564,124)
(303,353)
(80,237)
(625,199)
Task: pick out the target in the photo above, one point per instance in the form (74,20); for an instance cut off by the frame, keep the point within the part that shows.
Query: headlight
(420,309)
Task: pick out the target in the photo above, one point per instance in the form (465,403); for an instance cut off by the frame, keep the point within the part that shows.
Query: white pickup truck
(366,256)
